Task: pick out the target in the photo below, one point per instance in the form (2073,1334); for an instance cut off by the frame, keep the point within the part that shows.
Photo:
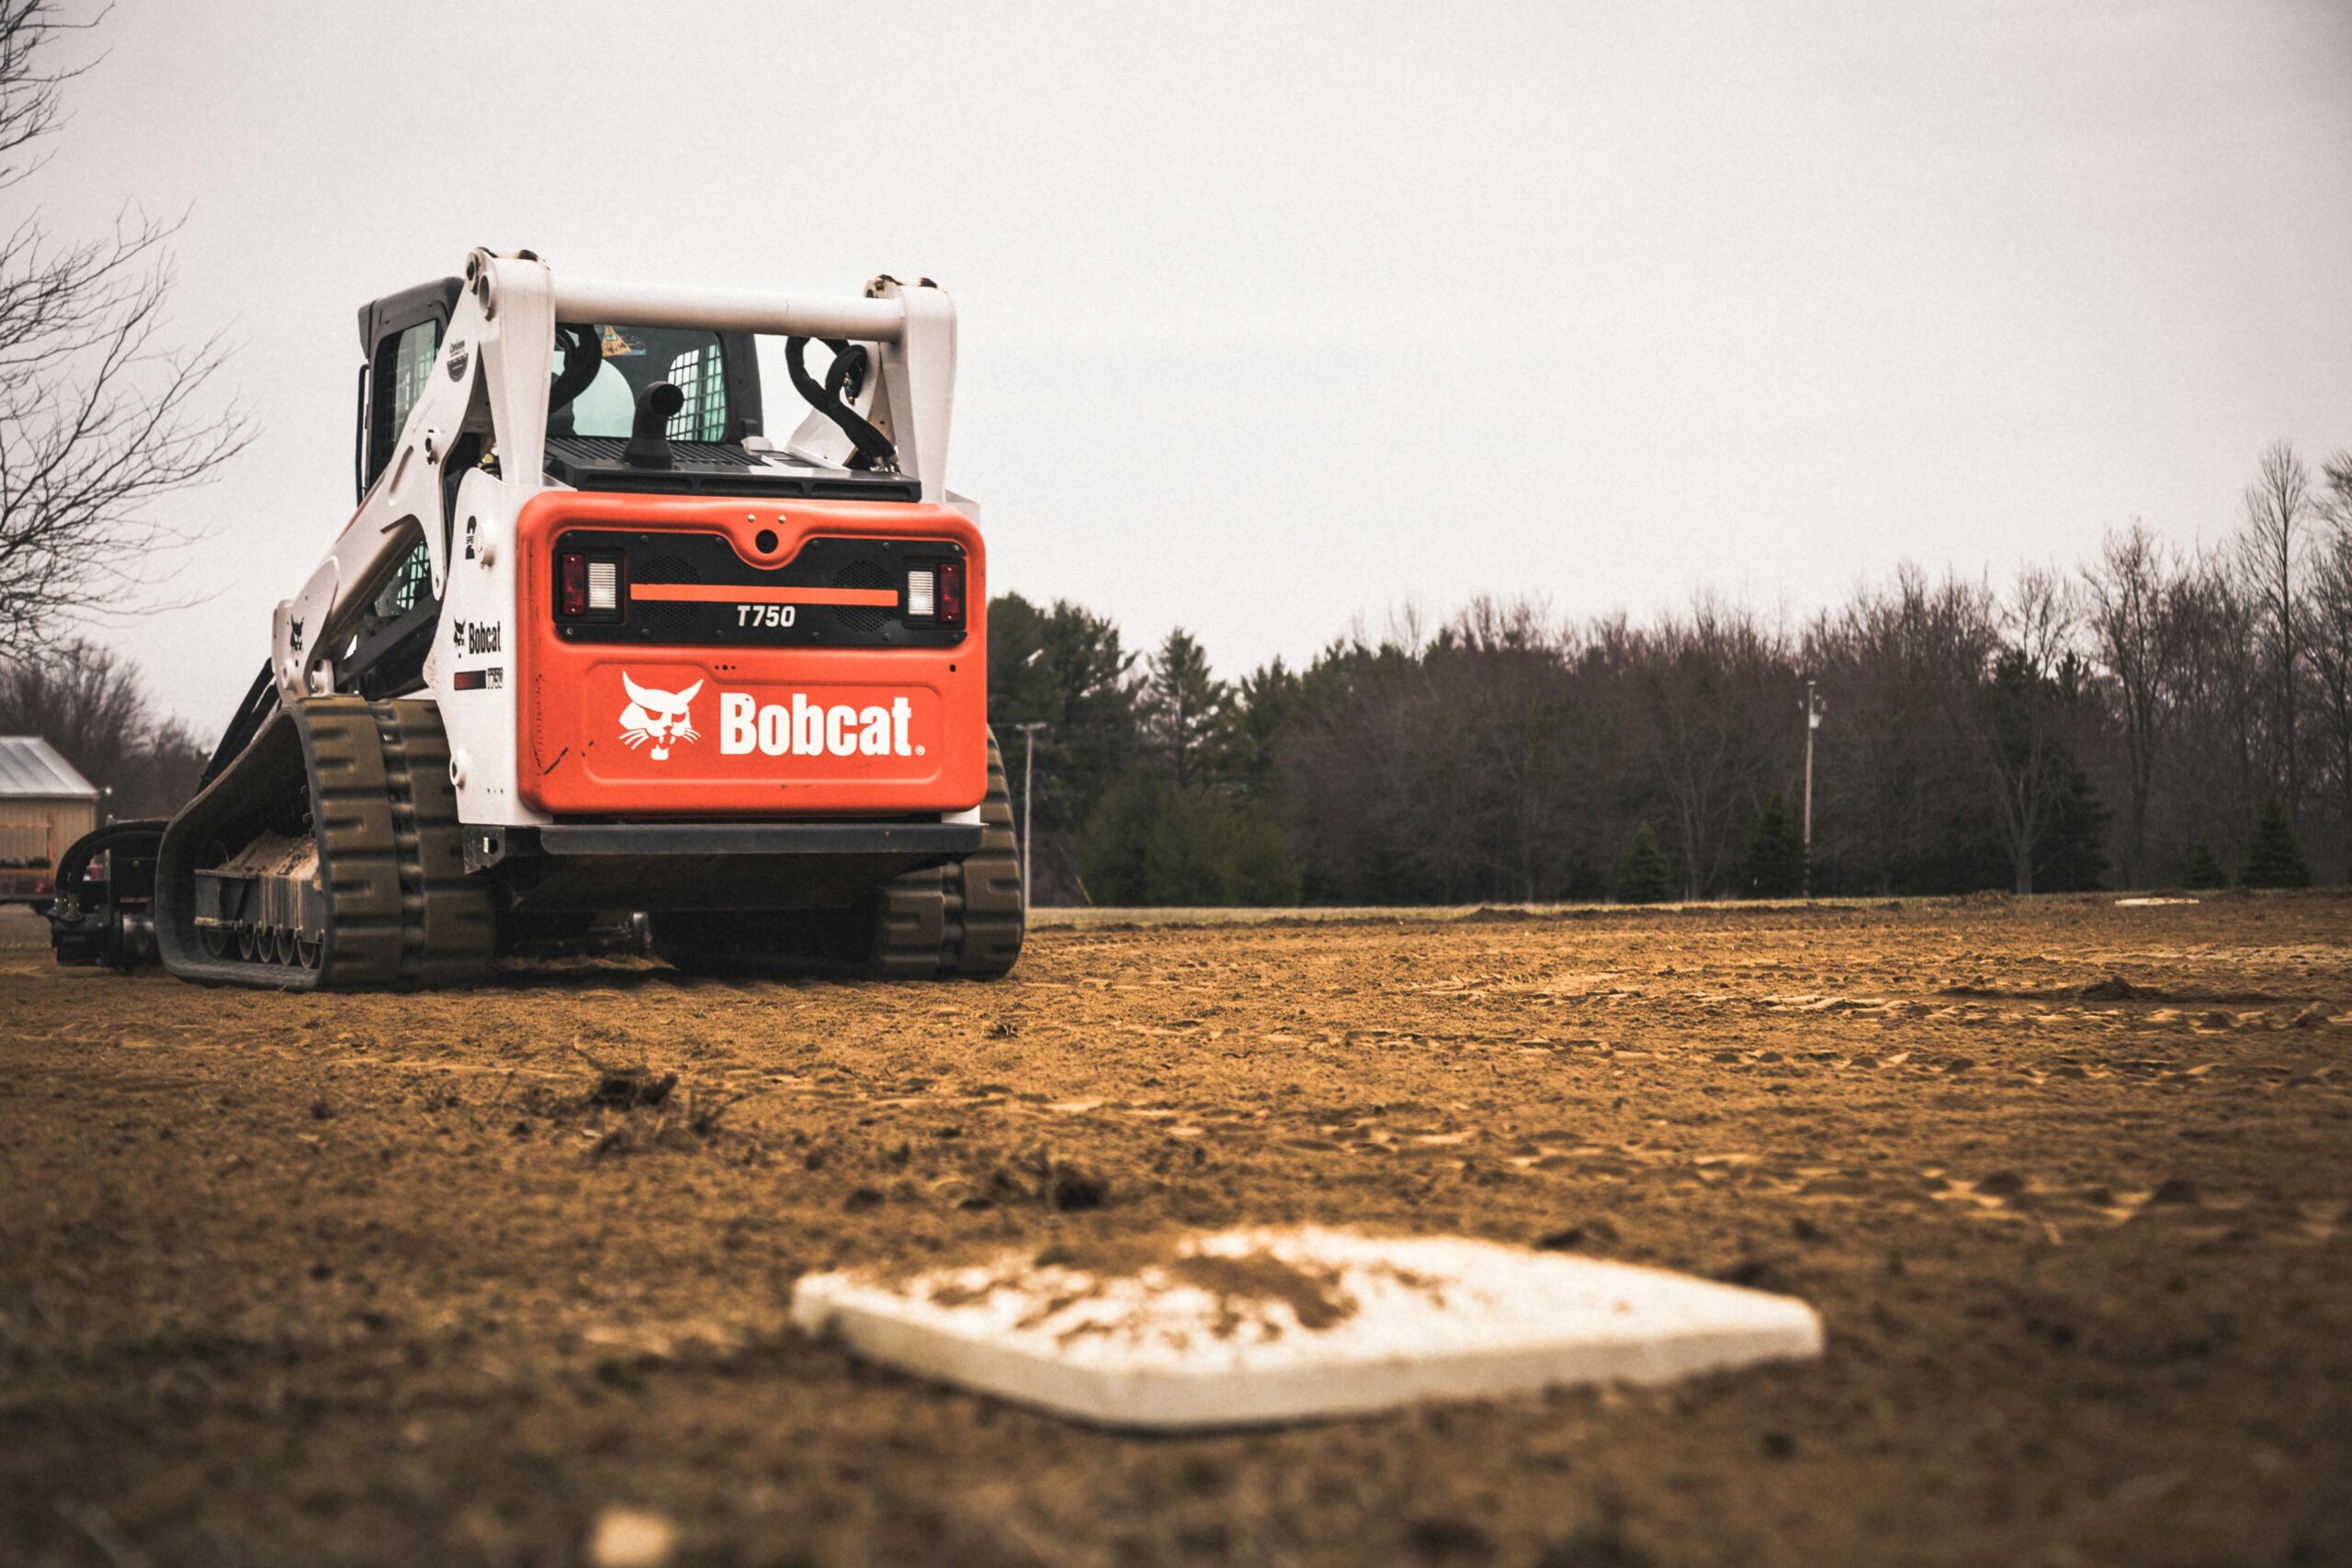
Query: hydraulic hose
(831,398)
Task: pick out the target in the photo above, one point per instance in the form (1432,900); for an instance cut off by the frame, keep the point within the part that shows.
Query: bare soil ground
(438,1278)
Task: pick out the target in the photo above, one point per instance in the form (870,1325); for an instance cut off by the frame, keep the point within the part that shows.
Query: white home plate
(1248,1327)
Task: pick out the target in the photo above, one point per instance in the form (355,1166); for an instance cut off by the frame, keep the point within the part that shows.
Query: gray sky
(1277,316)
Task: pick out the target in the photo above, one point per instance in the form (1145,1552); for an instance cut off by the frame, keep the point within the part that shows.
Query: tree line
(2156,716)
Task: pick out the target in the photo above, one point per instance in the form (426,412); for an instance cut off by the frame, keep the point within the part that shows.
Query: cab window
(403,367)
(631,359)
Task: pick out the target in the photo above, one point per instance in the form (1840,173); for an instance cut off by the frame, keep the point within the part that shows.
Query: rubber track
(400,911)
(965,919)
(449,933)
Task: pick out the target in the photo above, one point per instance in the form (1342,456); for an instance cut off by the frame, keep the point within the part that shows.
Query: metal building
(45,804)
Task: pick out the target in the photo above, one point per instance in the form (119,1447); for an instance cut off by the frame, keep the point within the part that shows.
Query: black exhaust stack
(648,435)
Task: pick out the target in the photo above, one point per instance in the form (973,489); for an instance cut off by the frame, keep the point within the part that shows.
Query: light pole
(1812,708)
(1028,776)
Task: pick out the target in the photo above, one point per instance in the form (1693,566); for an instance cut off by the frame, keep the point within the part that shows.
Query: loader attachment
(104,912)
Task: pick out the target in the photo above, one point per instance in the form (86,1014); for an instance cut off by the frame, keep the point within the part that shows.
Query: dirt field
(422,1280)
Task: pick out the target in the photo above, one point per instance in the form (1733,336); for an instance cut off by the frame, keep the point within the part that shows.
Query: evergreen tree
(1183,853)
(1062,666)
(1257,866)
(2203,870)
(2274,859)
(1184,711)
(1264,705)
(1644,877)
(1112,862)
(1772,864)
(2071,856)
(1151,843)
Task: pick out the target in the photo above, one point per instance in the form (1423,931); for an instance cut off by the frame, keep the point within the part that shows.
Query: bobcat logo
(659,717)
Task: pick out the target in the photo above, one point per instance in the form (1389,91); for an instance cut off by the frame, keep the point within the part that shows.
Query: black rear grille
(859,618)
(668,621)
(656,558)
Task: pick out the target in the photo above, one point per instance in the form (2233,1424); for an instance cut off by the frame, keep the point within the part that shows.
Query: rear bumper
(660,866)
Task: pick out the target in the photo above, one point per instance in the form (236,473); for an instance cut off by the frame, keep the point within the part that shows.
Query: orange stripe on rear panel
(721,593)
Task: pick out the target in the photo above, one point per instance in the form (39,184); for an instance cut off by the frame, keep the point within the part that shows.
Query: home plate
(1251,1326)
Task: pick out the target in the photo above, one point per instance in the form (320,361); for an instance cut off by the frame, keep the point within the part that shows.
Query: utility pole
(1812,723)
(1028,777)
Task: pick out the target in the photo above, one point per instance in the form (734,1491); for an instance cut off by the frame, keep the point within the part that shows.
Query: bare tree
(1708,683)
(1898,665)
(2015,713)
(2130,595)
(99,416)
(2215,774)
(2271,557)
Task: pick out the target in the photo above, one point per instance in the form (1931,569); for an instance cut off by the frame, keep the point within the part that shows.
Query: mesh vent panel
(863,619)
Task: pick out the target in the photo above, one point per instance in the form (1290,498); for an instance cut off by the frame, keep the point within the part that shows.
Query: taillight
(588,585)
(951,592)
(936,592)
(572,584)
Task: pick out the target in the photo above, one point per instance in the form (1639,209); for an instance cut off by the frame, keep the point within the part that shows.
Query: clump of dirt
(1244,1283)
(1599,1230)
(2116,988)
(625,1088)
(1070,1186)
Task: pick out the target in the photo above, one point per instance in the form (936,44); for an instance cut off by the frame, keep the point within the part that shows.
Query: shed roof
(31,766)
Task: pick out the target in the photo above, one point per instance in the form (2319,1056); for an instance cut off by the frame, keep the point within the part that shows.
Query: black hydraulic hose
(872,447)
(584,355)
(261,701)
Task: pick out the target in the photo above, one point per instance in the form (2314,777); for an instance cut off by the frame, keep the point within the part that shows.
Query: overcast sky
(1277,316)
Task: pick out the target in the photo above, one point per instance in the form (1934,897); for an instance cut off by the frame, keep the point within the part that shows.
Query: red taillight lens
(571,583)
(951,592)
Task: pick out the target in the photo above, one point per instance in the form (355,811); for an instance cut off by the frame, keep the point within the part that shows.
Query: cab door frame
(381,324)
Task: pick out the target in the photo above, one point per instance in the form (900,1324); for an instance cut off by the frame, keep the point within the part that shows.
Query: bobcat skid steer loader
(595,644)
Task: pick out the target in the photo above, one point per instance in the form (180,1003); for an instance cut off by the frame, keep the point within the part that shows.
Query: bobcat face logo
(660,718)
